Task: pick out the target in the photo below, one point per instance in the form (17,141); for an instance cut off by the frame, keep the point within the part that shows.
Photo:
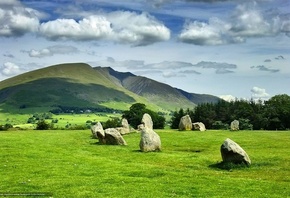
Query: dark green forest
(273,114)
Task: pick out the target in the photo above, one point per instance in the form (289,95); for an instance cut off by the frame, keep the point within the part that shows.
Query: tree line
(273,114)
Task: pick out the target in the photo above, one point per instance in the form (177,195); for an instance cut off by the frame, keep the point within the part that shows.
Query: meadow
(69,163)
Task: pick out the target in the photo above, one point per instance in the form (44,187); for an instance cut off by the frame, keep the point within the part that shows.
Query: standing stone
(235,125)
(147,121)
(199,126)
(185,123)
(125,129)
(232,152)
(113,137)
(98,132)
(150,140)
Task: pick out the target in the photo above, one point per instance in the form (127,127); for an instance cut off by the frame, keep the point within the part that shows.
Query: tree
(277,112)
(112,123)
(175,119)
(42,125)
(136,112)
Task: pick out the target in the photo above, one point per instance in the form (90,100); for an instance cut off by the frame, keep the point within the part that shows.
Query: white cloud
(52,50)
(40,53)
(91,28)
(9,69)
(120,26)
(169,74)
(259,93)
(228,98)
(137,29)
(247,21)
(16,20)
(286,27)
(201,33)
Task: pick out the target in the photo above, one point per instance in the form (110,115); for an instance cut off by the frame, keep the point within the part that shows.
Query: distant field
(20,120)
(71,164)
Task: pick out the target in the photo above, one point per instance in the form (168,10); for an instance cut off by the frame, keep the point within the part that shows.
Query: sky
(227,48)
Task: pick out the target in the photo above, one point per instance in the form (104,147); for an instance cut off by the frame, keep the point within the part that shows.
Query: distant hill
(79,86)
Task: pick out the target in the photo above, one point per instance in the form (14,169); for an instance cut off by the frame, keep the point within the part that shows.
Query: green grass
(71,164)
(20,120)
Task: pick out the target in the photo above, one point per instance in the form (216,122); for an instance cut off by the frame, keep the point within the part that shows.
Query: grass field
(71,164)
(20,120)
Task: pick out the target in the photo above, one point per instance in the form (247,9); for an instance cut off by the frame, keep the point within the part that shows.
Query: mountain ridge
(79,84)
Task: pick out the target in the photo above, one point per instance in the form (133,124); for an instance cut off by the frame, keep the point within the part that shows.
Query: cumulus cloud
(52,50)
(249,21)
(286,26)
(246,21)
(200,33)
(259,93)
(17,20)
(9,69)
(267,60)
(93,27)
(264,68)
(137,29)
(120,26)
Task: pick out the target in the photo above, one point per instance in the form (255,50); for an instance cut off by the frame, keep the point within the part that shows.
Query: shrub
(112,123)
(219,125)
(42,125)
(5,127)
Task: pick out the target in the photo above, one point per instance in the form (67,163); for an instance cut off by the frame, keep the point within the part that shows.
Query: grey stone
(199,126)
(98,132)
(232,152)
(185,123)
(147,121)
(125,129)
(150,140)
(235,125)
(113,137)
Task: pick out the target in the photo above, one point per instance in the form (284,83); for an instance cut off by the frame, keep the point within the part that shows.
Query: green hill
(79,86)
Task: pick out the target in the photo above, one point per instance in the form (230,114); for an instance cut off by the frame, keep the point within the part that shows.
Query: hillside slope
(79,85)
(158,93)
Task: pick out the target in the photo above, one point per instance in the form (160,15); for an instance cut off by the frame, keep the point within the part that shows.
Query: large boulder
(113,137)
(150,140)
(199,126)
(235,125)
(147,121)
(185,123)
(125,129)
(98,132)
(233,153)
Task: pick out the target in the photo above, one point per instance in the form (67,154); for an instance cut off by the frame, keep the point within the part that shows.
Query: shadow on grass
(229,166)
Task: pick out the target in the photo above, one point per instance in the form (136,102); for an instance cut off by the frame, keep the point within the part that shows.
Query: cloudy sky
(234,48)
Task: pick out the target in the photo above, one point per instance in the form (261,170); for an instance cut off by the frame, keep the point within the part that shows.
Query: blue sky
(221,47)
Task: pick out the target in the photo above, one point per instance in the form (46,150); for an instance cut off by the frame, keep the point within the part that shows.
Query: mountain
(78,85)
